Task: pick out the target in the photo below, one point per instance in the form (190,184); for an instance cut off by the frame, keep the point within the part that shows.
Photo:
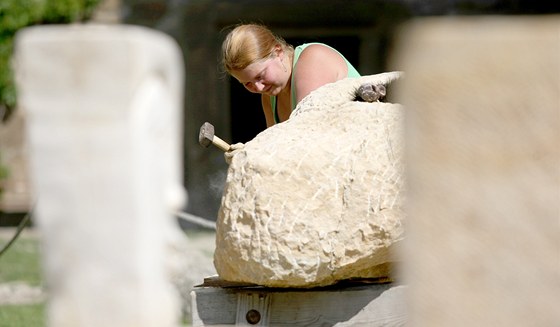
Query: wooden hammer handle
(220,143)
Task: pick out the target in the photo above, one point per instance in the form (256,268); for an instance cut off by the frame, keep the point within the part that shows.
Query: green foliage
(17,14)
(3,174)
(67,11)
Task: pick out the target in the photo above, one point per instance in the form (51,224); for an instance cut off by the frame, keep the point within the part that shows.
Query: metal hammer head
(206,134)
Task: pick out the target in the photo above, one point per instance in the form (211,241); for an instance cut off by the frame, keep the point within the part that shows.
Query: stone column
(103,108)
(482,239)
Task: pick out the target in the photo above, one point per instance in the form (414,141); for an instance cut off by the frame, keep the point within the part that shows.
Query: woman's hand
(233,149)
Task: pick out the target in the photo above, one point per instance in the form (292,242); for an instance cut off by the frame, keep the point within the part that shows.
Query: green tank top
(352,72)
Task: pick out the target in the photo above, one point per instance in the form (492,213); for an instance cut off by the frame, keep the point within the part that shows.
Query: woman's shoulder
(320,53)
(314,47)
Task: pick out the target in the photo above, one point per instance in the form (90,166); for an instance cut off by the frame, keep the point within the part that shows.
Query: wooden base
(355,303)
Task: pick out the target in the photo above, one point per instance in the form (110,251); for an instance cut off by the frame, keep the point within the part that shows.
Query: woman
(264,63)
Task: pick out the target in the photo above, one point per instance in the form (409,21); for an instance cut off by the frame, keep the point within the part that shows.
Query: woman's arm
(317,65)
(267,108)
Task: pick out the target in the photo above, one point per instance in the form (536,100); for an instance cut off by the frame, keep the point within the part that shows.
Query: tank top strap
(274,111)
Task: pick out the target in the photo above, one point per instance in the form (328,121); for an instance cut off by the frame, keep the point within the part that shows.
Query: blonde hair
(249,43)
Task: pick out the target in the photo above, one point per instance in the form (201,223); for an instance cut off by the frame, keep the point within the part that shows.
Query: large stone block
(318,198)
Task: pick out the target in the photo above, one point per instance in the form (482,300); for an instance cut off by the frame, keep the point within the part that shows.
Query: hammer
(206,137)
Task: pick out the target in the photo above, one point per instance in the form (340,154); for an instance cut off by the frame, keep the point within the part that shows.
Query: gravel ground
(199,264)
(18,293)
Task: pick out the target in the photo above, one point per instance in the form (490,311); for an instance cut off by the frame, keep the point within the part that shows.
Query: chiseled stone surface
(318,198)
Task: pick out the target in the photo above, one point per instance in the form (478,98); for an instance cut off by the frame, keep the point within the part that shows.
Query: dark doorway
(247,118)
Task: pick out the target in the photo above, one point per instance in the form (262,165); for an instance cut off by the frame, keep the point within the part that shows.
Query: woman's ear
(279,51)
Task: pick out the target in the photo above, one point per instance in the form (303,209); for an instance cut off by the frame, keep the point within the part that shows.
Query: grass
(32,315)
(21,263)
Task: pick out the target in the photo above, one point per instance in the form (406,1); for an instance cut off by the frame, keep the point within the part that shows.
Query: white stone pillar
(482,238)
(104,113)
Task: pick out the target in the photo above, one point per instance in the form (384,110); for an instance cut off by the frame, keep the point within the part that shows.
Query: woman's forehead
(250,72)
(257,66)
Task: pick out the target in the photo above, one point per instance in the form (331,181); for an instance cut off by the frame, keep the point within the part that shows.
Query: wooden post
(103,108)
(482,245)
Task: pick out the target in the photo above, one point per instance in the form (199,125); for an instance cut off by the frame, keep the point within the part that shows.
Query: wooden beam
(363,305)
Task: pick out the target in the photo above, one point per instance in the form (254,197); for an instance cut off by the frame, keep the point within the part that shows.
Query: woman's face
(265,77)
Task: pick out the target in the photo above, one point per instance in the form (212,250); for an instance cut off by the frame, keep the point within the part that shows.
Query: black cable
(20,227)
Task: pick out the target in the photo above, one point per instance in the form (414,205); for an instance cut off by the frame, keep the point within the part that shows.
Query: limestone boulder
(318,198)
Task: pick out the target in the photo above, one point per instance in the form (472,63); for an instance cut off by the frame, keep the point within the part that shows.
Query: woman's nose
(259,86)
